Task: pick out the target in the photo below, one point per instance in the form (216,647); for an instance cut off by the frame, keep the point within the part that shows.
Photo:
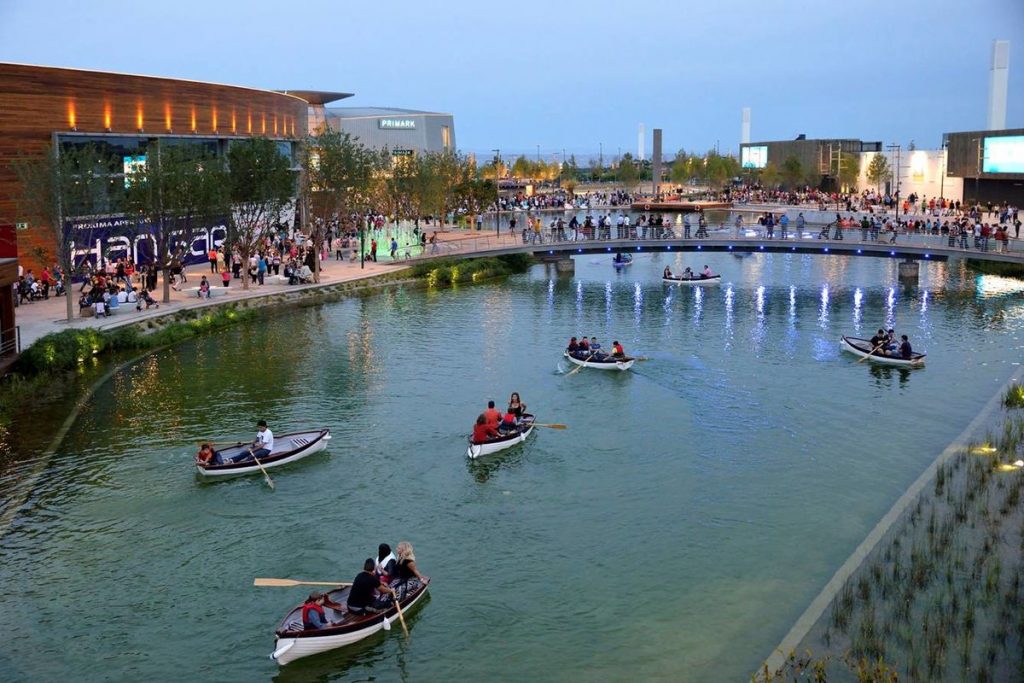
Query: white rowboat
(293,642)
(608,363)
(862,348)
(287,448)
(697,280)
(500,443)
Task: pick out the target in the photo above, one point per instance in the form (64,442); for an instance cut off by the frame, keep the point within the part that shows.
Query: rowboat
(696,280)
(862,348)
(500,443)
(293,642)
(287,448)
(606,363)
(627,260)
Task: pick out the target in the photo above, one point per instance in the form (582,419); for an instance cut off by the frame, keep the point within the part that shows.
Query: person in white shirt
(261,446)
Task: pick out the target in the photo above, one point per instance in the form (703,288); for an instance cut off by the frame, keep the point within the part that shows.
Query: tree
(627,171)
(878,171)
(770,175)
(522,168)
(792,171)
(849,170)
(681,168)
(260,186)
(336,185)
(60,184)
(177,185)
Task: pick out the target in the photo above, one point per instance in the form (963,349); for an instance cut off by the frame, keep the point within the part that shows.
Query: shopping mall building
(123,115)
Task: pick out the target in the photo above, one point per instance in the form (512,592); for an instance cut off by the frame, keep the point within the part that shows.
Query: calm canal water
(689,514)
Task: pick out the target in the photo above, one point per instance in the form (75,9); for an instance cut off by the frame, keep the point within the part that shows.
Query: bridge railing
(752,235)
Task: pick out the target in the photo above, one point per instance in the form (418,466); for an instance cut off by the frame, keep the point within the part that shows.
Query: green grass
(447,272)
(1014,397)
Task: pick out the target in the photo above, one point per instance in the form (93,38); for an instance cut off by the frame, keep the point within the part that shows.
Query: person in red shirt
(482,432)
(491,416)
(508,423)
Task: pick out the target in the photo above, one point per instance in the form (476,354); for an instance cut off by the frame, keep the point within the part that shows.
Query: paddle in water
(288,583)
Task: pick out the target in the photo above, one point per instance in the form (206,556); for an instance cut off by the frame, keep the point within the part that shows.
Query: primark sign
(396,124)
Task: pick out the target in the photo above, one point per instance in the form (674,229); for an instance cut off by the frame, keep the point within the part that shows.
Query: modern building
(818,157)
(402,131)
(919,172)
(990,163)
(123,115)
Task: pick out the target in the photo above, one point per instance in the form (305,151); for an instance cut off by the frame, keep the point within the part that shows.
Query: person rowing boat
(667,273)
(482,431)
(906,351)
(618,352)
(707,271)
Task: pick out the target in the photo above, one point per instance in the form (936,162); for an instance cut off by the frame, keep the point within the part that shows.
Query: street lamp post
(977,173)
(497,193)
(895,149)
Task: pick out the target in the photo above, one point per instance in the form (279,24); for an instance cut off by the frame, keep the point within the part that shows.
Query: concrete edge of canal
(806,621)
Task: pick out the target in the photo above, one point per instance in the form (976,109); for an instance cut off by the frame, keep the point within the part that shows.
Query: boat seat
(300,441)
(294,626)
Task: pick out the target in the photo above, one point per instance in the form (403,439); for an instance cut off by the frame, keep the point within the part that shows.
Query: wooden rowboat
(697,280)
(862,348)
(606,363)
(627,260)
(293,642)
(287,448)
(500,443)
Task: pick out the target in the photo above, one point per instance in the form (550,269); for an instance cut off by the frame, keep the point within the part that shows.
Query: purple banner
(98,240)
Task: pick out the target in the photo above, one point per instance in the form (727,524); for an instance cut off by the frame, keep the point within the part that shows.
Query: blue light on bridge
(826,249)
(762,247)
(892,253)
(609,248)
(698,247)
(927,255)
(859,251)
(638,248)
(730,247)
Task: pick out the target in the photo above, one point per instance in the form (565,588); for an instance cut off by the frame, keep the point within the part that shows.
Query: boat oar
(401,617)
(550,426)
(287,583)
(266,477)
(580,367)
(219,443)
(872,352)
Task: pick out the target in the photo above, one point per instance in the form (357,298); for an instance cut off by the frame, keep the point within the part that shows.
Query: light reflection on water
(745,467)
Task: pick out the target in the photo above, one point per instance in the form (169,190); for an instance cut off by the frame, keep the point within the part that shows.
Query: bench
(214,292)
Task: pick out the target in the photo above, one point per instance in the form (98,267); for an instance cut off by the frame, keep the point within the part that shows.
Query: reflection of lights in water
(823,309)
(579,299)
(698,303)
(994,285)
(608,301)
(760,301)
(728,316)
(858,298)
(792,304)
(890,308)
(759,330)
(638,301)
(551,293)
(924,301)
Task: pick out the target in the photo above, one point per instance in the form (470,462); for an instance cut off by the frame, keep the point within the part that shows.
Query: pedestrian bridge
(914,247)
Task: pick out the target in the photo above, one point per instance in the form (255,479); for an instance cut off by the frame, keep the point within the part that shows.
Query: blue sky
(569,74)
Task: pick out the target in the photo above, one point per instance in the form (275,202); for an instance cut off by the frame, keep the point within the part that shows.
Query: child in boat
(508,422)
(207,456)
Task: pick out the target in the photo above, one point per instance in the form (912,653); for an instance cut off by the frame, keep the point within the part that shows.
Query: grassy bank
(447,272)
(942,596)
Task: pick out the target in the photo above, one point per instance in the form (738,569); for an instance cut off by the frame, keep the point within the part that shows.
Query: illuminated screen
(754,157)
(1003,155)
(133,164)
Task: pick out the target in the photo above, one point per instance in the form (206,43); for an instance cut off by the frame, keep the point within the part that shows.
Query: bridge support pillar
(565,265)
(909,271)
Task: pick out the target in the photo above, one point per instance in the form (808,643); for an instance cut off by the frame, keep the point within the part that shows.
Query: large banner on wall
(109,238)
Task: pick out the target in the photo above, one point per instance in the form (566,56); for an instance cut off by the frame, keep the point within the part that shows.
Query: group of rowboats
(293,640)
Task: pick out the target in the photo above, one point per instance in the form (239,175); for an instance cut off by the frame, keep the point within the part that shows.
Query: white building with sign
(403,131)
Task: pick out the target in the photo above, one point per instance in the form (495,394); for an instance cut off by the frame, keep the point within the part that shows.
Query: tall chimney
(656,160)
(998,81)
(745,132)
(640,143)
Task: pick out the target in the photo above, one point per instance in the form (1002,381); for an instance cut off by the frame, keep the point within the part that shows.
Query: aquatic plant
(1014,396)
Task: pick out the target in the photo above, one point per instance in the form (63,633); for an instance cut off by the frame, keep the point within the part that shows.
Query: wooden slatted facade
(38,102)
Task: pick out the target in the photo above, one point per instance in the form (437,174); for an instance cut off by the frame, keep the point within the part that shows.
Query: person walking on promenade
(394,249)
(212,256)
(373,250)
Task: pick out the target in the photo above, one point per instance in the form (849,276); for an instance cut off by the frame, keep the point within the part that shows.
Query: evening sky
(568,74)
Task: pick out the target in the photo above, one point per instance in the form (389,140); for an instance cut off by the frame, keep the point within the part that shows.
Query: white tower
(640,143)
(998,80)
(745,132)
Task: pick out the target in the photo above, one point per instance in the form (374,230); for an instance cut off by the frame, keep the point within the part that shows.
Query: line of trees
(252,187)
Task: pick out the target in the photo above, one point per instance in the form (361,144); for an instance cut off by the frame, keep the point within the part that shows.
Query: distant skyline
(571,75)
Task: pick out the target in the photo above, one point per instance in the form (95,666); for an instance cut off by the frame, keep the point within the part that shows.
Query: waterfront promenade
(43,317)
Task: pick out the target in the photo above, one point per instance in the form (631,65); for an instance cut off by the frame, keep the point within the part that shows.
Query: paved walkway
(40,318)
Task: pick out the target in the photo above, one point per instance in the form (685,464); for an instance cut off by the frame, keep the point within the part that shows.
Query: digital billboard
(1003,154)
(754,157)
(133,164)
